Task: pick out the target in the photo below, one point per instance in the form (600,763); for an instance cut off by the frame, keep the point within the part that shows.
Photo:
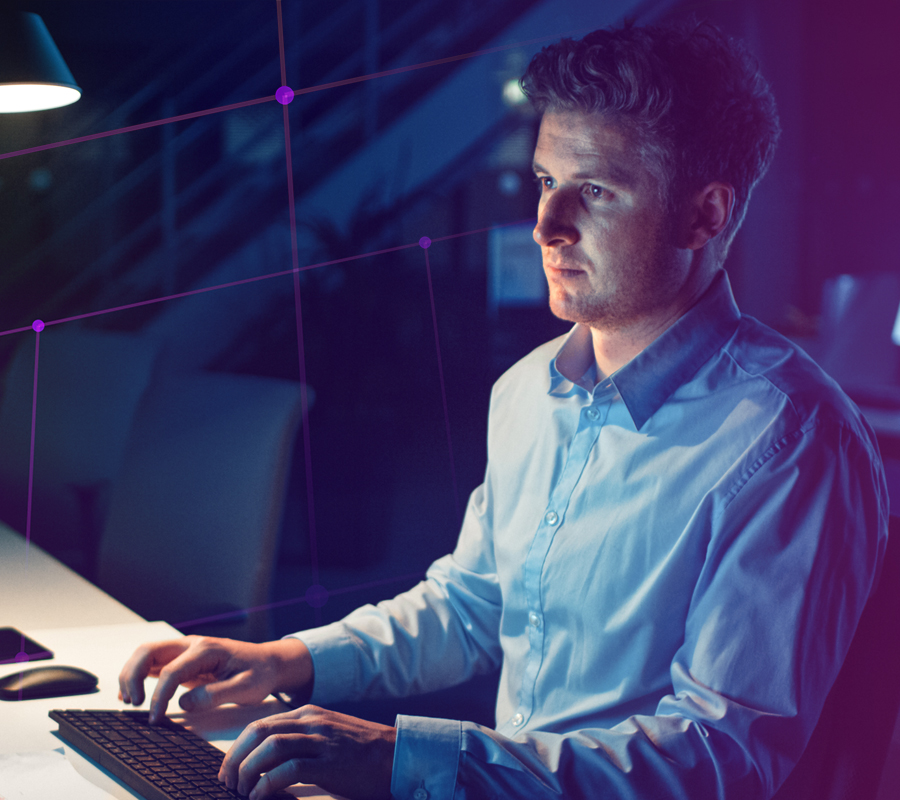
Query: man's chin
(572,312)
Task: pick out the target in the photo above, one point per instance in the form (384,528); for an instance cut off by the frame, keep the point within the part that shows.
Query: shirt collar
(574,370)
(650,378)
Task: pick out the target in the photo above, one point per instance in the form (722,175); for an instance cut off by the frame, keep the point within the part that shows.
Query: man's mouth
(565,271)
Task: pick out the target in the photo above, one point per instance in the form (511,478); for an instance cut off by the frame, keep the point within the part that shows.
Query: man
(681,519)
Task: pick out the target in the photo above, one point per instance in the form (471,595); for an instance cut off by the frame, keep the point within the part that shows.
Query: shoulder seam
(744,478)
(763,377)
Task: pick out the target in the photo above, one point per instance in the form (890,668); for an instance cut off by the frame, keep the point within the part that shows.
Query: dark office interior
(170,436)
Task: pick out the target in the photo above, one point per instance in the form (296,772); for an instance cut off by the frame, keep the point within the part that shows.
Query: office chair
(195,513)
(89,385)
(846,755)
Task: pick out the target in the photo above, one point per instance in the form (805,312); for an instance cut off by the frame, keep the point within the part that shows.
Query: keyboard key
(166,762)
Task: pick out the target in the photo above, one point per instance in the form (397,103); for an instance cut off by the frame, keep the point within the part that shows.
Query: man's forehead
(581,135)
(591,145)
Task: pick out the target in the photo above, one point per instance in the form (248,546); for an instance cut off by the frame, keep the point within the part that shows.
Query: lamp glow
(513,94)
(33,74)
(16,97)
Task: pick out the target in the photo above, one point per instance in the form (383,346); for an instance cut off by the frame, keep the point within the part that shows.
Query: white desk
(87,628)
(44,593)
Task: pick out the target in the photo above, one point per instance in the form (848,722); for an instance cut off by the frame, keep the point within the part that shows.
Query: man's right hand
(217,670)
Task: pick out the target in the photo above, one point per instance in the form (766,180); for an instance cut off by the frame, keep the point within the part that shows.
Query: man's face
(606,238)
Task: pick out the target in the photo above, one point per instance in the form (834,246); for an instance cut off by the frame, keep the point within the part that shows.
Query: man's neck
(615,347)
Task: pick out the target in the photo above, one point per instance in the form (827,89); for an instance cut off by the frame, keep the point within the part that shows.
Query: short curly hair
(693,98)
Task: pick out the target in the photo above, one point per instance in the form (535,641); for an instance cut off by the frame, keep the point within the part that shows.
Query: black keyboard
(160,762)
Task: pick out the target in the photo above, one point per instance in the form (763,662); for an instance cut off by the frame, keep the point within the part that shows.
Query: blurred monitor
(516,272)
(861,331)
(895,336)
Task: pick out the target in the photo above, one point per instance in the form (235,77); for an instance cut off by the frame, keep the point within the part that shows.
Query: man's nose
(554,226)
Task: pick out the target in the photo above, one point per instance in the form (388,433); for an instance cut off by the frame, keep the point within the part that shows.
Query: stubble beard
(627,299)
(630,293)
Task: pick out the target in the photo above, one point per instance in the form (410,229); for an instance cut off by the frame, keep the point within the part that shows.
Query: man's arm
(435,635)
(795,540)
(438,634)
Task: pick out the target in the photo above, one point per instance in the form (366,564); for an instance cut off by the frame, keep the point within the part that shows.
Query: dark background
(147,214)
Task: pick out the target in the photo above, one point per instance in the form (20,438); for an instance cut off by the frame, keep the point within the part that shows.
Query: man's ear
(709,213)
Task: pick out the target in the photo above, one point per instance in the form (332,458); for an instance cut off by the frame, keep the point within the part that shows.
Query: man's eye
(595,192)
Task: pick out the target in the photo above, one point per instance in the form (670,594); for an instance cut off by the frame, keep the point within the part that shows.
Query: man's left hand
(342,754)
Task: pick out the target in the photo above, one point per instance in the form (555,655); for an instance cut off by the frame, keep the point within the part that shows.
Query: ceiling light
(33,75)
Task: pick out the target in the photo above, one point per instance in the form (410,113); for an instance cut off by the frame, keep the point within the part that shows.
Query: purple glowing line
(141,126)
(437,347)
(482,230)
(298,316)
(37,350)
(281,44)
(157,300)
(261,277)
(297,600)
(28,656)
(307,90)
(424,64)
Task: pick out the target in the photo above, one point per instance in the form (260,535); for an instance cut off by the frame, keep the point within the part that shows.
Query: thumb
(209,695)
(203,698)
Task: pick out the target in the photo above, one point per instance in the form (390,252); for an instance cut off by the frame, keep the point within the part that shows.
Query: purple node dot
(316,595)
(20,657)
(424,242)
(284,95)
(37,325)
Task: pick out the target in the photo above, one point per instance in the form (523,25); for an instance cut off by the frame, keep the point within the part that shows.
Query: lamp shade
(33,75)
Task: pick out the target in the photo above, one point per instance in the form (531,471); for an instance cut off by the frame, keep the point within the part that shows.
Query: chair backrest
(195,514)
(846,753)
(89,385)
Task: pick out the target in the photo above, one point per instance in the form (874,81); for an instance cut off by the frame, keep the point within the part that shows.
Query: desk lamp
(33,75)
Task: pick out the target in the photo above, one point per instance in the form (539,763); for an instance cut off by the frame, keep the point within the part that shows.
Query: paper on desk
(37,776)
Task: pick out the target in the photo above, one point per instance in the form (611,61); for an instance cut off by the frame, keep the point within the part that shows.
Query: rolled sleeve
(333,671)
(426,758)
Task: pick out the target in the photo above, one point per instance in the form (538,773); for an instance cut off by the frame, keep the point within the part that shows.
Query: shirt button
(534,619)
(420,794)
(592,413)
(517,720)
(551,517)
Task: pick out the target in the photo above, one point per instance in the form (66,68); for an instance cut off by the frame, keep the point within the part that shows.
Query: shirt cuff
(333,671)
(426,758)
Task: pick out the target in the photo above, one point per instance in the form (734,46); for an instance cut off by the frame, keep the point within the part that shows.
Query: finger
(282,754)
(209,695)
(280,777)
(187,667)
(252,737)
(139,666)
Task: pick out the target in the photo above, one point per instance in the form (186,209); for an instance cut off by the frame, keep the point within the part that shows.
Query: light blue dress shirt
(668,566)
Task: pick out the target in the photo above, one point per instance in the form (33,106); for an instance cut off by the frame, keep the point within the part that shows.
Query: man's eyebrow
(615,174)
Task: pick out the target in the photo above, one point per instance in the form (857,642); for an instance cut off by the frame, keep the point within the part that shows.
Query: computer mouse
(47,682)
